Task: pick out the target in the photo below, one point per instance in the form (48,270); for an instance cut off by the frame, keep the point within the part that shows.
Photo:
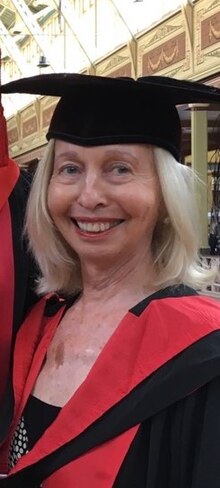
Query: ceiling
(20,19)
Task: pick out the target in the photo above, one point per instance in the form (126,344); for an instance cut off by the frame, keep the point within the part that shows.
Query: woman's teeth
(95,226)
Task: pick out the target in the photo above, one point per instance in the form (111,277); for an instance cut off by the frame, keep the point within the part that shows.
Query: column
(199,152)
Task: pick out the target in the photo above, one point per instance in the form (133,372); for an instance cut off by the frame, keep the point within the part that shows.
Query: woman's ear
(163,217)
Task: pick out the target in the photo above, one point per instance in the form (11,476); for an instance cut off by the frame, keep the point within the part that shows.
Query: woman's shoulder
(183,301)
(179,311)
(163,297)
(182,298)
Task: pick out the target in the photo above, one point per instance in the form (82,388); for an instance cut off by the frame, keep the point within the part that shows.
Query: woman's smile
(94,226)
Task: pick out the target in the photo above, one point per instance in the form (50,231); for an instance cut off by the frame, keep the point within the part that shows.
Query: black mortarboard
(96,110)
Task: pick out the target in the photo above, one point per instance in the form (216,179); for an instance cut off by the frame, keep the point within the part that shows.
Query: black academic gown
(147,416)
(25,270)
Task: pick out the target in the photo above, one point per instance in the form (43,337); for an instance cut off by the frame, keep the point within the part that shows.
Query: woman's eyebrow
(119,153)
(72,155)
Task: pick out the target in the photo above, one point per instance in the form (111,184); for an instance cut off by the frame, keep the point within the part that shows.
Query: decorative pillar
(199,152)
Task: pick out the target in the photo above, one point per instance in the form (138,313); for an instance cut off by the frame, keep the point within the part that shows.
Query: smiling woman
(104,201)
(174,232)
(120,357)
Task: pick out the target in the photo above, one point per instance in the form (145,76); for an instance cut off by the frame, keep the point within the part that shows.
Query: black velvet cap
(96,110)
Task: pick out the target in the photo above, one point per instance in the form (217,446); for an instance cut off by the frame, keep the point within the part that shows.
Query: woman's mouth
(95,227)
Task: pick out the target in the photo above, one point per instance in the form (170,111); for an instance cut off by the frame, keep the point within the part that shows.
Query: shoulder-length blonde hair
(175,240)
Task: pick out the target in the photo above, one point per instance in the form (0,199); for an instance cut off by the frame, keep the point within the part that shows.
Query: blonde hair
(175,240)
(176,237)
(58,263)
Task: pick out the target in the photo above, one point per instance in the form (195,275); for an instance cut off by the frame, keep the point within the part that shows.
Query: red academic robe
(144,414)
(15,275)
(17,270)
(8,177)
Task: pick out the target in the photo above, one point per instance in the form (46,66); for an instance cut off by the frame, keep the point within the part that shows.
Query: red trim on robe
(97,468)
(138,347)
(6,292)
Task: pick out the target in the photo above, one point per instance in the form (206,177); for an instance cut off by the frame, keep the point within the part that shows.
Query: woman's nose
(92,192)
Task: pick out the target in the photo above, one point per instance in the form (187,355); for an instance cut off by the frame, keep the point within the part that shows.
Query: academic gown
(146,416)
(17,267)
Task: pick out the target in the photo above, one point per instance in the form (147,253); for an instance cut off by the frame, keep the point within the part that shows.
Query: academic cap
(96,110)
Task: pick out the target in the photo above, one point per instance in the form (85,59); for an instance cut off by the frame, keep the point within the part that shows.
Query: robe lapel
(33,338)
(139,346)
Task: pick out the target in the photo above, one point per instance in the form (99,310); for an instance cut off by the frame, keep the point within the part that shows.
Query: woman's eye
(70,169)
(121,169)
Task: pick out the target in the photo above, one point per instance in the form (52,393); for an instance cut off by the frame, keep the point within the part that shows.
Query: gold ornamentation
(213,32)
(163,57)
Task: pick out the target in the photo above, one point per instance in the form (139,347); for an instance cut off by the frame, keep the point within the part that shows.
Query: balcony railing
(214,289)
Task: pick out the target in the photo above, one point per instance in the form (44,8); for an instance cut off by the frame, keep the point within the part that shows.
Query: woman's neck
(129,280)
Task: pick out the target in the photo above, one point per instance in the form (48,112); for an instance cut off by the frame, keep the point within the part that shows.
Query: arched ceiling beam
(187,11)
(14,51)
(132,43)
(36,31)
(121,16)
(68,13)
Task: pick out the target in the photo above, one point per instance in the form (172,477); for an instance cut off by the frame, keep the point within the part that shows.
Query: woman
(117,368)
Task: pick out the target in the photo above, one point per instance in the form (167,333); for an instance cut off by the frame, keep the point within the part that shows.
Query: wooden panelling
(166,50)
(210,31)
(29,127)
(206,38)
(166,55)
(47,109)
(13,135)
(117,64)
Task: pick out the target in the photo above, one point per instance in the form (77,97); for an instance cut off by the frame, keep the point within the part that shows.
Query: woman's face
(104,200)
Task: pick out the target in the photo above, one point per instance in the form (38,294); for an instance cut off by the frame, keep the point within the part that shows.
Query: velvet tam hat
(96,110)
